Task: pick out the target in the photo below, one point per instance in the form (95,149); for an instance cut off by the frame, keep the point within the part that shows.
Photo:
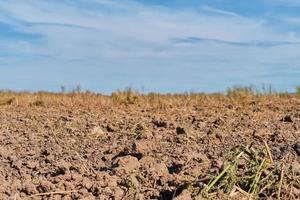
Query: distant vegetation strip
(130,96)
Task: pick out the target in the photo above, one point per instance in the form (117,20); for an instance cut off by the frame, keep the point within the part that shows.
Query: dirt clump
(126,164)
(169,147)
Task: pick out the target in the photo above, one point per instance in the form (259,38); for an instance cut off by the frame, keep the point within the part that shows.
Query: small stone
(32,164)
(218,164)
(17,164)
(146,135)
(77,177)
(69,186)
(63,165)
(160,169)
(83,191)
(29,188)
(143,147)
(50,158)
(87,183)
(112,181)
(126,164)
(195,171)
(96,132)
(154,167)
(147,161)
(118,193)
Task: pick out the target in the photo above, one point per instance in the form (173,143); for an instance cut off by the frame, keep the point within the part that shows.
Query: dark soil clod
(180,130)
(175,168)
(296,148)
(166,195)
(160,124)
(288,119)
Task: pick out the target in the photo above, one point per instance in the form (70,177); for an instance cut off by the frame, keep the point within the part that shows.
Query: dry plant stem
(211,185)
(265,187)
(280,182)
(88,169)
(290,193)
(257,177)
(269,152)
(242,191)
(51,193)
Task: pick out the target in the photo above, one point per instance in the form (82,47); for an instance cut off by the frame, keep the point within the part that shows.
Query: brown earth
(109,150)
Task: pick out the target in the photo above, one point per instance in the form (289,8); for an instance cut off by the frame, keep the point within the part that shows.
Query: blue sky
(150,45)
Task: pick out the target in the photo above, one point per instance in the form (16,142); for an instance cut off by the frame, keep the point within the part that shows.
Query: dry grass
(48,98)
(253,173)
(298,91)
(233,95)
(129,97)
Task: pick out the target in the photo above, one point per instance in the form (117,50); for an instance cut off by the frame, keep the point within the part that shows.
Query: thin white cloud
(219,11)
(143,22)
(116,34)
(144,27)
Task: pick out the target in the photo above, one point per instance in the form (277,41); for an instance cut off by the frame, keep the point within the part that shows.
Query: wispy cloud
(151,27)
(259,44)
(291,3)
(112,37)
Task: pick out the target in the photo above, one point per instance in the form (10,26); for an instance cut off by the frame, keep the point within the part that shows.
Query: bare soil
(115,151)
